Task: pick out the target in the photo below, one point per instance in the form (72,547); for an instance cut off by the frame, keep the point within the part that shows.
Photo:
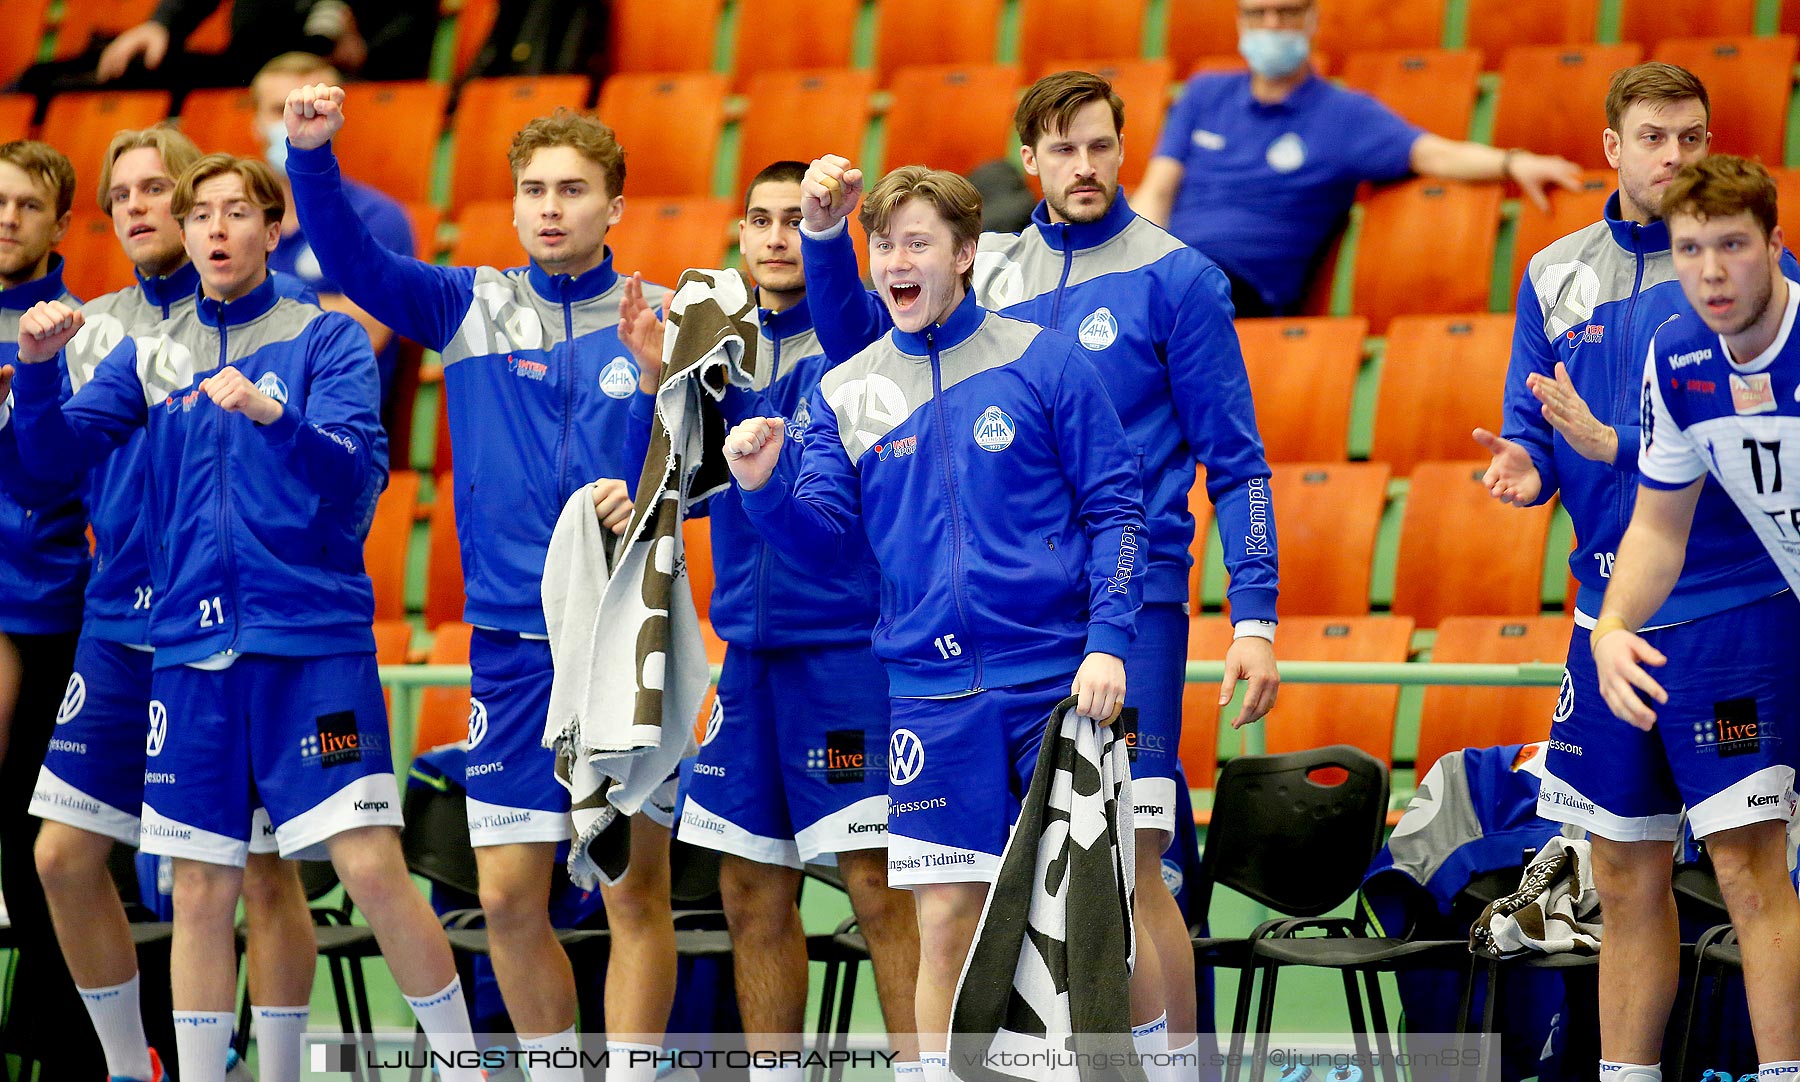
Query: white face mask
(1274,54)
(275,147)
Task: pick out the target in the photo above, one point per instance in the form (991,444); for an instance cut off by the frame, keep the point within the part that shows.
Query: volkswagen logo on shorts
(1565,700)
(714,718)
(74,698)
(477,722)
(906,757)
(159,728)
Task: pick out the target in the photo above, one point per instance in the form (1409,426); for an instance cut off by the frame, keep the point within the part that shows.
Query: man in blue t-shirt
(1258,169)
(386,219)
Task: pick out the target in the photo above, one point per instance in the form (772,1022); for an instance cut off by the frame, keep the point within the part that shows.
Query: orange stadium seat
(444,595)
(1441,377)
(1208,639)
(221,119)
(1200,28)
(474,20)
(1450,564)
(666,159)
(1200,506)
(94,264)
(424,219)
(660,238)
(1747,81)
(488,113)
(16,112)
(393,137)
(1453,718)
(1143,85)
(1650,21)
(81,124)
(392,640)
(444,711)
(799,115)
(485,236)
(1790,18)
(642,41)
(1495,26)
(87,20)
(696,546)
(1302,373)
(1433,88)
(384,551)
(1454,221)
(1787,196)
(1326,516)
(1348,26)
(1316,715)
(19,47)
(1569,211)
(951,117)
(1552,98)
(1111,29)
(964,33)
(830,32)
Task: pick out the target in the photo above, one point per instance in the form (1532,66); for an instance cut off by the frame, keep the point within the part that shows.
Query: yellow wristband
(1605,626)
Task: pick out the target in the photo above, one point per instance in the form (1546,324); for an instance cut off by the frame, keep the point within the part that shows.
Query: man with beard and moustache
(1154,316)
(91,788)
(1719,398)
(41,583)
(1587,310)
(790,770)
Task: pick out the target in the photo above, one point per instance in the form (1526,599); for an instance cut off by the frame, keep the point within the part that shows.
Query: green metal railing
(407,681)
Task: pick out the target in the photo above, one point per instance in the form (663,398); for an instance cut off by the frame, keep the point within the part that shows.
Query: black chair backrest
(435,838)
(317,878)
(694,876)
(1286,836)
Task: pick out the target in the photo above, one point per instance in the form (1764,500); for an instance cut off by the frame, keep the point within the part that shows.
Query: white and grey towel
(1556,909)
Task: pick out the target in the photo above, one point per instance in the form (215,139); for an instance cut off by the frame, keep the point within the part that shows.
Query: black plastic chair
(1296,832)
(842,951)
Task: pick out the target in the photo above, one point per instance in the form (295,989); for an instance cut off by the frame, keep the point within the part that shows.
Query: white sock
(1630,1072)
(564,1050)
(1781,1070)
(775,1074)
(627,1062)
(201,1038)
(120,1027)
(908,1071)
(1151,1040)
(445,1018)
(1185,1061)
(936,1066)
(279,1031)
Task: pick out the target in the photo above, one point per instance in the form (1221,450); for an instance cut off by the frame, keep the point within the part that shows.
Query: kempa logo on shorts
(1099,330)
(906,757)
(993,430)
(271,385)
(159,728)
(1565,700)
(619,378)
(74,698)
(477,722)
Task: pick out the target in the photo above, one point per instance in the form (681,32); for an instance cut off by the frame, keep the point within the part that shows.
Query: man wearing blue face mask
(385,218)
(1257,169)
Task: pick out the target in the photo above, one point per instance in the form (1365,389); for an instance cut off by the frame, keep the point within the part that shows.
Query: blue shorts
(93,774)
(957,771)
(513,792)
(1723,745)
(793,765)
(1155,673)
(308,735)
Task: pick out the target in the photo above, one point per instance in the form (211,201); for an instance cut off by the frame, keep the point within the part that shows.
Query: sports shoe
(156,1071)
(236,1070)
(1346,1073)
(1296,1072)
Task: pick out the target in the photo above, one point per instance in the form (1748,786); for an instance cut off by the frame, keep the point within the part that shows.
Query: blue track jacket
(996,489)
(760,600)
(539,385)
(43,531)
(255,531)
(1593,301)
(1154,317)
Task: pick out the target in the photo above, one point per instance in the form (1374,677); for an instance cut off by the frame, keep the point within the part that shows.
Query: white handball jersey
(1704,413)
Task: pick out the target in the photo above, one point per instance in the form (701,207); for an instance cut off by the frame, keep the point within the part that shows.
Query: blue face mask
(1274,54)
(275,146)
